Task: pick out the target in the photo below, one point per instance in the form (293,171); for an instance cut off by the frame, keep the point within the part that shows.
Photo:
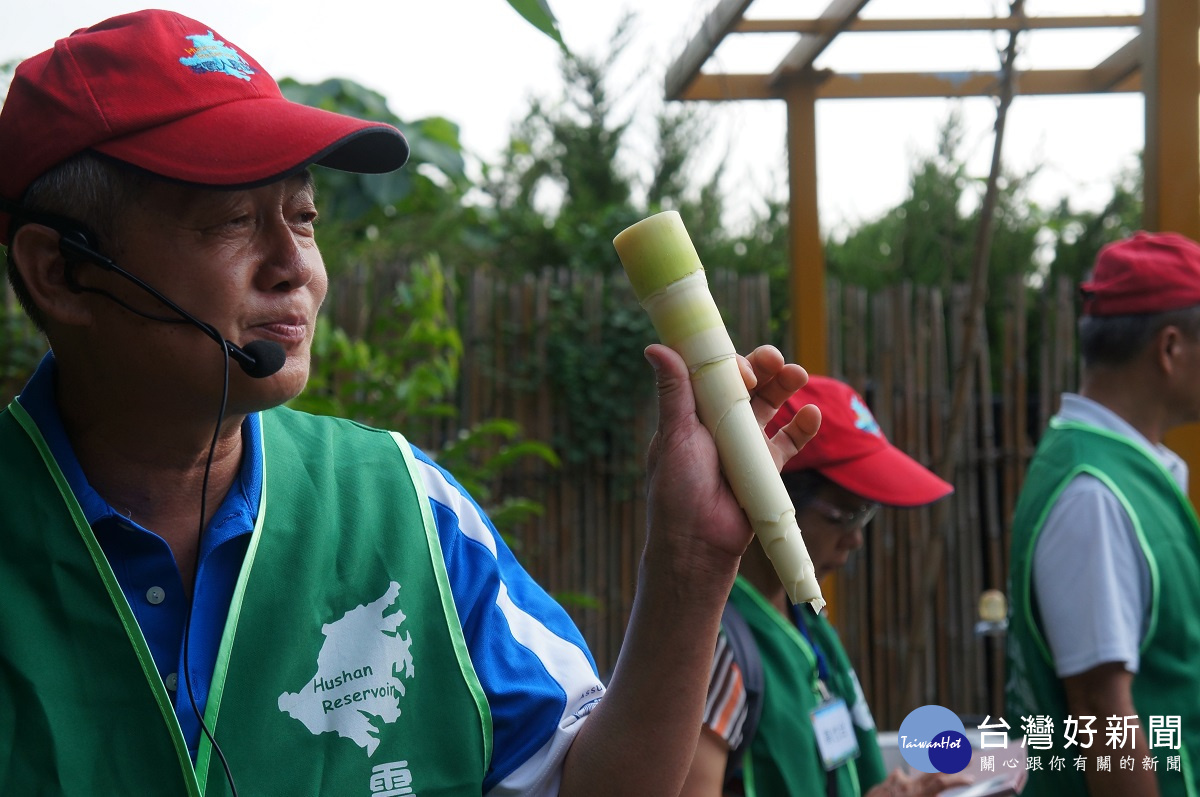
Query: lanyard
(802,626)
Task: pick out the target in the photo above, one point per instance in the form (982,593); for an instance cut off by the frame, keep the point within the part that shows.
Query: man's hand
(898,784)
(692,509)
(641,737)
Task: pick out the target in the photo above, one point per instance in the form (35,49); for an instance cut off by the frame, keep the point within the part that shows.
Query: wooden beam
(720,87)
(1133,83)
(1120,65)
(837,15)
(685,81)
(891,85)
(956,84)
(713,30)
(859,25)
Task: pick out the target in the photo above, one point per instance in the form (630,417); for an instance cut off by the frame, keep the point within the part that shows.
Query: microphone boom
(259,358)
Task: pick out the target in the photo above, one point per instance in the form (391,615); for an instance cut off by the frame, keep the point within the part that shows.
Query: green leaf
(382,189)
(538,14)
(435,141)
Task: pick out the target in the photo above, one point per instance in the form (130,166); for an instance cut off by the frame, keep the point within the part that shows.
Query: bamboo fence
(896,346)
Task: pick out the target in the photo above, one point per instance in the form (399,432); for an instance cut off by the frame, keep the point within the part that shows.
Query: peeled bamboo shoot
(669,281)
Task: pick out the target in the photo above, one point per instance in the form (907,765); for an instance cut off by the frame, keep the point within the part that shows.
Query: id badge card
(834,730)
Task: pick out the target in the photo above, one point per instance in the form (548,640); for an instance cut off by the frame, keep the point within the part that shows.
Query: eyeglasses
(848,521)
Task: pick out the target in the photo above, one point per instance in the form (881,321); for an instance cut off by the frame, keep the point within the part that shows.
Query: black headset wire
(83,252)
(187,623)
(212,447)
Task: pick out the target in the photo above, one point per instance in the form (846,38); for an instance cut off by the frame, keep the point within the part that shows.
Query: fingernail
(747,372)
(651,358)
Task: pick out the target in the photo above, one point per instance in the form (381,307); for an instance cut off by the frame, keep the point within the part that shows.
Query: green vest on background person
(318,689)
(1167,683)
(783,758)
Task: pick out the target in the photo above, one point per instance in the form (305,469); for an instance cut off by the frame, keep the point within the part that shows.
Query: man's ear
(44,270)
(1168,345)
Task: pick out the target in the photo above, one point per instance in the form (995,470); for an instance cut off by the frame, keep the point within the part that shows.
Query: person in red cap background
(1105,561)
(837,483)
(178,546)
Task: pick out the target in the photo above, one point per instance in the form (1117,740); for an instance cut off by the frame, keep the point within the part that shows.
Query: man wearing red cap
(837,483)
(206,593)
(1103,638)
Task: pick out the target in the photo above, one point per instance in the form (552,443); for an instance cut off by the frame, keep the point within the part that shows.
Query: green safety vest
(342,669)
(1168,680)
(783,759)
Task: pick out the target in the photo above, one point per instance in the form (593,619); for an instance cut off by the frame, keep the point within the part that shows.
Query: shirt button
(172,681)
(156,595)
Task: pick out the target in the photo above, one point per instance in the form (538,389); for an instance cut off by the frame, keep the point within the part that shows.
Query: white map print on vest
(360,674)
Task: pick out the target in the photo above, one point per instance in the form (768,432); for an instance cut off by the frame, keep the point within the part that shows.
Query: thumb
(676,403)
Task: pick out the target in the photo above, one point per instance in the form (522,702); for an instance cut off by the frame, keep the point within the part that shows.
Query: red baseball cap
(167,94)
(1146,273)
(851,450)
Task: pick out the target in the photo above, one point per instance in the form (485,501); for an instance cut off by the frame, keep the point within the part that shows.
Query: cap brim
(257,141)
(889,476)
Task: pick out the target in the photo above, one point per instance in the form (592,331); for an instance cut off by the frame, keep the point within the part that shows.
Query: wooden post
(1171,82)
(807,283)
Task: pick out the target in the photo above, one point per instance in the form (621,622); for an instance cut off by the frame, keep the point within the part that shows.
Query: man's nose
(290,260)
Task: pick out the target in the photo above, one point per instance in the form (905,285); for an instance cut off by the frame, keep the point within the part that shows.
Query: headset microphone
(259,358)
(265,357)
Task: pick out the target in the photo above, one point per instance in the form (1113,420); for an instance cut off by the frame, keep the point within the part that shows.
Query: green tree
(559,192)
(1079,235)
(556,198)
(928,238)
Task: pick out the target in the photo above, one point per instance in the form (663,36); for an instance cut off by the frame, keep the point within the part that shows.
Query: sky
(478,63)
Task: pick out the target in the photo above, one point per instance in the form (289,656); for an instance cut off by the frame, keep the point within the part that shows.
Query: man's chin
(256,395)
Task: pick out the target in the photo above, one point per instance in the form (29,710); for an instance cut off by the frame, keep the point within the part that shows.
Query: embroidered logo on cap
(864,419)
(210,54)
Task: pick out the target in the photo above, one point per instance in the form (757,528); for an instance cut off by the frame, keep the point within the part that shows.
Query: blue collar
(801,620)
(237,512)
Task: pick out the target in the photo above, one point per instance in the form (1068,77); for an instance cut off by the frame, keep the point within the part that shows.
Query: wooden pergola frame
(1161,62)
